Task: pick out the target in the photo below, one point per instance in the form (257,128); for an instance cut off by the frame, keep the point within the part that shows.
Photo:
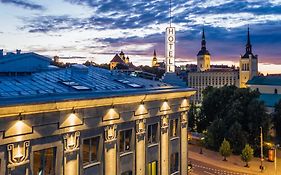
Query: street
(200,168)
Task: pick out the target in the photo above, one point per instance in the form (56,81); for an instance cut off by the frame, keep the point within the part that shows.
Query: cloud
(24,4)
(138,27)
(45,24)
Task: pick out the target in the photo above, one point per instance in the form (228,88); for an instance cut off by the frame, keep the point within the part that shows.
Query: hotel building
(87,121)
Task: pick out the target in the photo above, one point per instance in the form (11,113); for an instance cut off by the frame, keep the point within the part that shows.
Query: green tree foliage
(236,137)
(235,114)
(247,154)
(214,133)
(225,149)
(193,115)
(277,120)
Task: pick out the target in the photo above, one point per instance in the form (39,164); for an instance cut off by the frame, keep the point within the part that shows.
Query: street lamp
(275,159)
(261,137)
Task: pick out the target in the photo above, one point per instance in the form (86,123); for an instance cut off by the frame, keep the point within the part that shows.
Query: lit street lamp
(275,159)
(261,137)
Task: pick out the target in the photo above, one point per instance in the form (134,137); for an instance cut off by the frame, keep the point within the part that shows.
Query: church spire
(203,42)
(154,54)
(203,50)
(248,45)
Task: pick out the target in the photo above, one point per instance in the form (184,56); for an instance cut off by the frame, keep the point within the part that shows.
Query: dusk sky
(97,29)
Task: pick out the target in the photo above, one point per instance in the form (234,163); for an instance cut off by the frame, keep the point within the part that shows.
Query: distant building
(203,56)
(89,121)
(248,64)
(207,75)
(269,88)
(22,63)
(120,60)
(155,62)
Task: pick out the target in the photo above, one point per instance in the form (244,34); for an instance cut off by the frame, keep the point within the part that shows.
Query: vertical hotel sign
(170,49)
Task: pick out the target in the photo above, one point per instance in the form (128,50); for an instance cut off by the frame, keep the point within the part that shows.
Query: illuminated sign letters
(170,49)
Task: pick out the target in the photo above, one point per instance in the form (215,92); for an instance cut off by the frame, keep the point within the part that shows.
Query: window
(275,91)
(152,133)
(174,128)
(127,173)
(125,140)
(90,150)
(152,168)
(174,162)
(44,162)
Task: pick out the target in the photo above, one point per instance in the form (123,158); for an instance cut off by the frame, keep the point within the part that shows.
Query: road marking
(218,171)
(209,173)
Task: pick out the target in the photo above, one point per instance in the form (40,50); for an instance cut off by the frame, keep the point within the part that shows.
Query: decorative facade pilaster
(18,154)
(71,153)
(110,151)
(184,156)
(164,145)
(140,146)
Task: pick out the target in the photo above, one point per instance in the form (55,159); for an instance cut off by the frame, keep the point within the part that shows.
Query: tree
(215,134)
(247,154)
(230,105)
(225,149)
(236,137)
(193,117)
(277,120)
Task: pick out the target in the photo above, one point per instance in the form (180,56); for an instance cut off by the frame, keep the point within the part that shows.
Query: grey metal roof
(73,82)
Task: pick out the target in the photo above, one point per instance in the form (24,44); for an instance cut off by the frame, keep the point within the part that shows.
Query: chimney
(18,51)
(1,53)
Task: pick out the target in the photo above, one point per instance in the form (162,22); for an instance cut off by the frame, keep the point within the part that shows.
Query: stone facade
(137,134)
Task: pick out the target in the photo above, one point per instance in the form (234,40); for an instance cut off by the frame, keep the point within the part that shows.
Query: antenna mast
(170,13)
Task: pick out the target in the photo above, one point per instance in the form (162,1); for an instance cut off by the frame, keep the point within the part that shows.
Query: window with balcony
(44,161)
(91,150)
(125,140)
(152,133)
(174,128)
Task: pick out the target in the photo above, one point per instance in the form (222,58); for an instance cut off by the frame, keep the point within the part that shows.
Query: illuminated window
(44,162)
(174,128)
(125,140)
(152,134)
(174,163)
(127,173)
(91,150)
(152,168)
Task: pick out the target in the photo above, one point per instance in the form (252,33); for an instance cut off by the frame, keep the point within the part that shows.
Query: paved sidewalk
(234,162)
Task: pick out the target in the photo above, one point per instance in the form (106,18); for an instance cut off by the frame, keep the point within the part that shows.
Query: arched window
(275,91)
(258,90)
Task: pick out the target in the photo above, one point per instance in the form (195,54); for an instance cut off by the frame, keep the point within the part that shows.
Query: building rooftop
(270,99)
(265,80)
(76,82)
